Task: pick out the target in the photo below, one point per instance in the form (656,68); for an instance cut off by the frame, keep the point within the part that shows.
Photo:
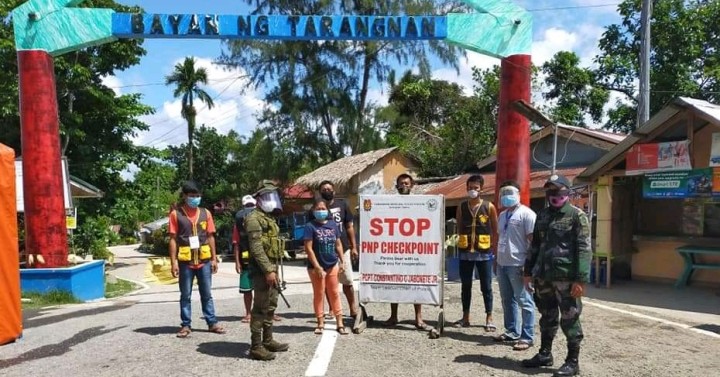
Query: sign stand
(402,247)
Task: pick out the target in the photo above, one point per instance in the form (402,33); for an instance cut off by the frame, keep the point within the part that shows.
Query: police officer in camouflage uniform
(265,253)
(558,264)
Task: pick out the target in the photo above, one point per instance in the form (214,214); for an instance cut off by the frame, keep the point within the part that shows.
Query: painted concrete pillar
(513,133)
(603,231)
(45,228)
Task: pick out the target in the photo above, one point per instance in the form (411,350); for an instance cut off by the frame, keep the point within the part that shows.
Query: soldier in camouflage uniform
(265,253)
(558,264)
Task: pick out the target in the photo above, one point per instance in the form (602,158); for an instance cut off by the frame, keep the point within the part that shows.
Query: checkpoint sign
(401,246)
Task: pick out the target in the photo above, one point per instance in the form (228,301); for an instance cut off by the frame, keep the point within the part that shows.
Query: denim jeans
(204,281)
(467,269)
(516,298)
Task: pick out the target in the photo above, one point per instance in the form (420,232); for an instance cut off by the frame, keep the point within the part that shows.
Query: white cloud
(554,40)
(113,83)
(235,107)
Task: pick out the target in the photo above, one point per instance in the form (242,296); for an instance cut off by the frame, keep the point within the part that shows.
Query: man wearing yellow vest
(266,249)
(192,253)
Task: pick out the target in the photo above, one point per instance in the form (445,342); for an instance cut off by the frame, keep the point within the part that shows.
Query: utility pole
(643,113)
(555,139)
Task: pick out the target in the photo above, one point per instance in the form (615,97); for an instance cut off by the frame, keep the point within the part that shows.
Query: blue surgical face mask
(193,202)
(321,214)
(509,200)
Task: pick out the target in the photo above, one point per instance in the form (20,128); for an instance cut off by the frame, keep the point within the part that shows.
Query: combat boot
(270,344)
(257,350)
(571,367)
(544,357)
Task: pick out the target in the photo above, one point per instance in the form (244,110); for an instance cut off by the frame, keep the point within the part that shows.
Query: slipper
(390,323)
(318,331)
(461,323)
(423,326)
(342,331)
(490,327)
(503,338)
(245,319)
(217,329)
(522,345)
(184,332)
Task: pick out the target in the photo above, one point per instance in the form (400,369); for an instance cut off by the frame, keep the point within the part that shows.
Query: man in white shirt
(515,229)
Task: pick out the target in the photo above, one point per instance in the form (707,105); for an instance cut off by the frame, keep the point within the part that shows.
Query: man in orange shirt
(192,253)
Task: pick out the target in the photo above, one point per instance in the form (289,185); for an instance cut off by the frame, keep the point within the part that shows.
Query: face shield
(270,202)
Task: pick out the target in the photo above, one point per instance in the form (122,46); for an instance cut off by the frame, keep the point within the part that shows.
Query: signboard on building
(657,157)
(715,150)
(401,242)
(697,183)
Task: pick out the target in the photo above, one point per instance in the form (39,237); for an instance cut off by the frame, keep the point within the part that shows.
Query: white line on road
(644,316)
(321,359)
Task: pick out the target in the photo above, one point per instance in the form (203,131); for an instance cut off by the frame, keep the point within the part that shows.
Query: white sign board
(402,248)
(20,196)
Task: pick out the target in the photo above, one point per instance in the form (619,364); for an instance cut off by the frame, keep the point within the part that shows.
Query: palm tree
(187,80)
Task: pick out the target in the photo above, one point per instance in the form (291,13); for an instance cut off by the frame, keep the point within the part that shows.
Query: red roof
(455,189)
(297,192)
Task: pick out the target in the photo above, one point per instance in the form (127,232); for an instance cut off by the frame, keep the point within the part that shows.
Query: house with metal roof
(659,190)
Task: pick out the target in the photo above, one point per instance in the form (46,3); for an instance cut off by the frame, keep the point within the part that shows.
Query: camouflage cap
(265,186)
(558,180)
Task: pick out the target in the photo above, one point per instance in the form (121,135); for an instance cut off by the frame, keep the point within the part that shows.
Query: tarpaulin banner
(697,183)
(401,246)
(657,157)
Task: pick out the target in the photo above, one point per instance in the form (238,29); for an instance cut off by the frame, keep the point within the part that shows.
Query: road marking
(321,359)
(651,318)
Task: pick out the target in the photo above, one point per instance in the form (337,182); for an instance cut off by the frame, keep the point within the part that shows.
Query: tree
(187,80)
(321,96)
(433,122)
(212,155)
(572,91)
(96,125)
(683,61)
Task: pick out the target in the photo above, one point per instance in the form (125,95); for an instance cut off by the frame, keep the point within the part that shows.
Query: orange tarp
(10,312)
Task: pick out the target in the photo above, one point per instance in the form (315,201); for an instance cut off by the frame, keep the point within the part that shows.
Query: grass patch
(119,288)
(52,298)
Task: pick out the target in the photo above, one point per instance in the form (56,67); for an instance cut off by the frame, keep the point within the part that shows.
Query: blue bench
(688,252)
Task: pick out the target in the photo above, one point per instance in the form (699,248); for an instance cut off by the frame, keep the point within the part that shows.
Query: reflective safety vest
(186,229)
(475,230)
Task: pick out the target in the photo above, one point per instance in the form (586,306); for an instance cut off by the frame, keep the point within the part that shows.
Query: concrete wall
(658,260)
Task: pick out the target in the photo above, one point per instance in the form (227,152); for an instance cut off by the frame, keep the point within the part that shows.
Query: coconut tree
(187,80)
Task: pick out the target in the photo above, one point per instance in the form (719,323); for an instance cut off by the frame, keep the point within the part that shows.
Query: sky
(558,25)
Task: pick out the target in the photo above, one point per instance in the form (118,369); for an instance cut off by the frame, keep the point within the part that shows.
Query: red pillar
(513,133)
(45,228)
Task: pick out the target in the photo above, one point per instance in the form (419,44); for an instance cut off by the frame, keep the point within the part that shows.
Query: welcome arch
(48,28)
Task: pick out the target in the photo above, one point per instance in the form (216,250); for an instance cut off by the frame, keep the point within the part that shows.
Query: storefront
(659,190)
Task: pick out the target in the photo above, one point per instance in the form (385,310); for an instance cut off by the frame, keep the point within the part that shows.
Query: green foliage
(319,109)
(158,242)
(684,59)
(436,124)
(573,91)
(52,298)
(119,288)
(93,237)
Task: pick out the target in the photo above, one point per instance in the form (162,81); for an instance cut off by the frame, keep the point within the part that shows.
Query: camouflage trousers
(554,301)
(263,309)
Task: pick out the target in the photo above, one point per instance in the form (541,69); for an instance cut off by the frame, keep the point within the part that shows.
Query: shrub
(93,237)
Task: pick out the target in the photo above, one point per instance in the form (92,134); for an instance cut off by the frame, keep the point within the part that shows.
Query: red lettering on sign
(405,227)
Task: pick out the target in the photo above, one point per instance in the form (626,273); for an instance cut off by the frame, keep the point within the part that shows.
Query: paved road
(134,336)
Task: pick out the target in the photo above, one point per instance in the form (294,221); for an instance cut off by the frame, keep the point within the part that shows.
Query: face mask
(473,194)
(320,214)
(509,200)
(327,195)
(557,198)
(193,202)
(403,190)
